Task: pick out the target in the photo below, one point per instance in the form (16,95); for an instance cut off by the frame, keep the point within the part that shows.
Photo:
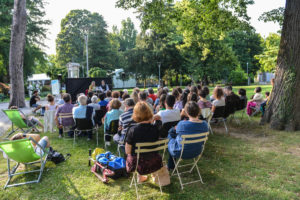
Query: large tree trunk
(283,112)
(16,54)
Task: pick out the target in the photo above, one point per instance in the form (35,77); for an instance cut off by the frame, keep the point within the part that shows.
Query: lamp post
(248,73)
(86,37)
(159,63)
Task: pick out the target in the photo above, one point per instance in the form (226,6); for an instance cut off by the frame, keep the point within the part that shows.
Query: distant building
(73,70)
(118,81)
(41,79)
(264,77)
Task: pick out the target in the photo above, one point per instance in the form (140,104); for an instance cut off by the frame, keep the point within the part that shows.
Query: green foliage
(127,35)
(35,35)
(275,15)
(268,58)
(97,72)
(238,77)
(70,43)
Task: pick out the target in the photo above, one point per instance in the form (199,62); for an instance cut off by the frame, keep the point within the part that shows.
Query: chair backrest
(113,127)
(15,117)
(166,127)
(157,146)
(193,139)
(242,104)
(219,112)
(84,124)
(205,112)
(64,117)
(20,150)
(99,114)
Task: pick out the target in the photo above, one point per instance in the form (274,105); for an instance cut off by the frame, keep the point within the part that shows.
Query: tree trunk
(283,111)
(16,54)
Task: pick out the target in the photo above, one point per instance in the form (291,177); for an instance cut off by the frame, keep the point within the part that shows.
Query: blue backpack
(114,163)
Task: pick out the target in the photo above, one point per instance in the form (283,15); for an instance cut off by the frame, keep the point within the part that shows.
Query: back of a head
(82,99)
(218,93)
(13,107)
(242,92)
(166,89)
(193,97)
(67,97)
(206,89)
(90,94)
(125,96)
(199,87)
(150,91)
(170,100)
(175,93)
(121,93)
(35,92)
(50,98)
(228,87)
(115,104)
(203,94)
(108,93)
(102,96)
(194,89)
(192,109)
(129,102)
(115,94)
(135,96)
(179,89)
(143,96)
(94,99)
(258,89)
(267,94)
(142,112)
(137,90)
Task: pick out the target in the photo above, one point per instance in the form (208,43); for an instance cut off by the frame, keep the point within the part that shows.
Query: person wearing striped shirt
(125,121)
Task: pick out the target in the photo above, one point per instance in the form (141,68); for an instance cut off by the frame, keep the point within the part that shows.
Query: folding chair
(84,125)
(160,145)
(49,122)
(186,140)
(62,118)
(22,151)
(166,127)
(18,122)
(205,112)
(112,129)
(218,115)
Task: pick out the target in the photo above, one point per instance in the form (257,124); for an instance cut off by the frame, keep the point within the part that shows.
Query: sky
(56,10)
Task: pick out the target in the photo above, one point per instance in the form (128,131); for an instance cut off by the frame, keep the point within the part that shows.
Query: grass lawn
(244,165)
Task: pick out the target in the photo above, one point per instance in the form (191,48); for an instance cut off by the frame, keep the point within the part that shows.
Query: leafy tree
(238,77)
(97,72)
(275,15)
(245,44)
(268,58)
(127,35)
(70,41)
(35,35)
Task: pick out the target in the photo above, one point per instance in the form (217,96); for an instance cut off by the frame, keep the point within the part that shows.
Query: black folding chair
(166,127)
(113,129)
(218,116)
(84,125)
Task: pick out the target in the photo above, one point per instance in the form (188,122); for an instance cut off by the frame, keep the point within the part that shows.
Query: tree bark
(283,111)
(16,54)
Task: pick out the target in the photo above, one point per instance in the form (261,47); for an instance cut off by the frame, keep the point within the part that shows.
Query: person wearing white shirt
(103,87)
(170,114)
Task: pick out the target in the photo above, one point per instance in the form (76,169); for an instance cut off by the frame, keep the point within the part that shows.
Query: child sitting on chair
(30,120)
(44,142)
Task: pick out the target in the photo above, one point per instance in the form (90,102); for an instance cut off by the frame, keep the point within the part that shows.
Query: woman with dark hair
(186,127)
(162,101)
(160,92)
(143,132)
(179,89)
(206,90)
(218,95)
(194,89)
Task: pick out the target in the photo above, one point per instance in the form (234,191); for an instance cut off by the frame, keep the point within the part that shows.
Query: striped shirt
(125,119)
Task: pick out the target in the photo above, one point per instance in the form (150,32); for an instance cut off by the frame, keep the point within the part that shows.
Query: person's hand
(156,117)
(120,128)
(60,126)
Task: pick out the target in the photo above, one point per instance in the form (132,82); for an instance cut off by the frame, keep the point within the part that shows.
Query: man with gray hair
(84,112)
(125,121)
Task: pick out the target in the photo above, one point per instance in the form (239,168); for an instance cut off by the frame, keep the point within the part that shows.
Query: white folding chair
(141,148)
(49,122)
(186,140)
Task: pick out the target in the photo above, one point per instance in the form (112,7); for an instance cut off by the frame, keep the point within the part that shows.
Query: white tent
(39,78)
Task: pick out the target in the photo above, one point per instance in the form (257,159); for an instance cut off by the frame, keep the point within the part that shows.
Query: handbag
(57,157)
(162,176)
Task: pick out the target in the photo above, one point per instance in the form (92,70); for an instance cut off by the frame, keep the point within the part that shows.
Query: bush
(238,77)
(46,88)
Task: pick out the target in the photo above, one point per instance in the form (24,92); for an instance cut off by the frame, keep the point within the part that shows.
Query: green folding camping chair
(22,151)
(18,123)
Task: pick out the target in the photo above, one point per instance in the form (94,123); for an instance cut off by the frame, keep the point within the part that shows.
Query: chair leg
(199,174)
(178,174)
(225,126)
(97,132)
(210,129)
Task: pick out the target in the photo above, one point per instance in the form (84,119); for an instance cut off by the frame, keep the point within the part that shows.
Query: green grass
(244,165)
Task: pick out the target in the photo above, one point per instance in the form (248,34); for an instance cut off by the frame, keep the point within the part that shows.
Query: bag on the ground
(163,177)
(113,163)
(57,157)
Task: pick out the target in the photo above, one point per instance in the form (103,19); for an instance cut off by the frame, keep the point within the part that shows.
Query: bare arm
(128,148)
(213,109)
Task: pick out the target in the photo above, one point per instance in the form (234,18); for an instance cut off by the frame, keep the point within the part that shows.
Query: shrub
(238,77)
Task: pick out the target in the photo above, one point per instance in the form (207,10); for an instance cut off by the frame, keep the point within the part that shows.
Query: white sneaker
(107,143)
(59,136)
